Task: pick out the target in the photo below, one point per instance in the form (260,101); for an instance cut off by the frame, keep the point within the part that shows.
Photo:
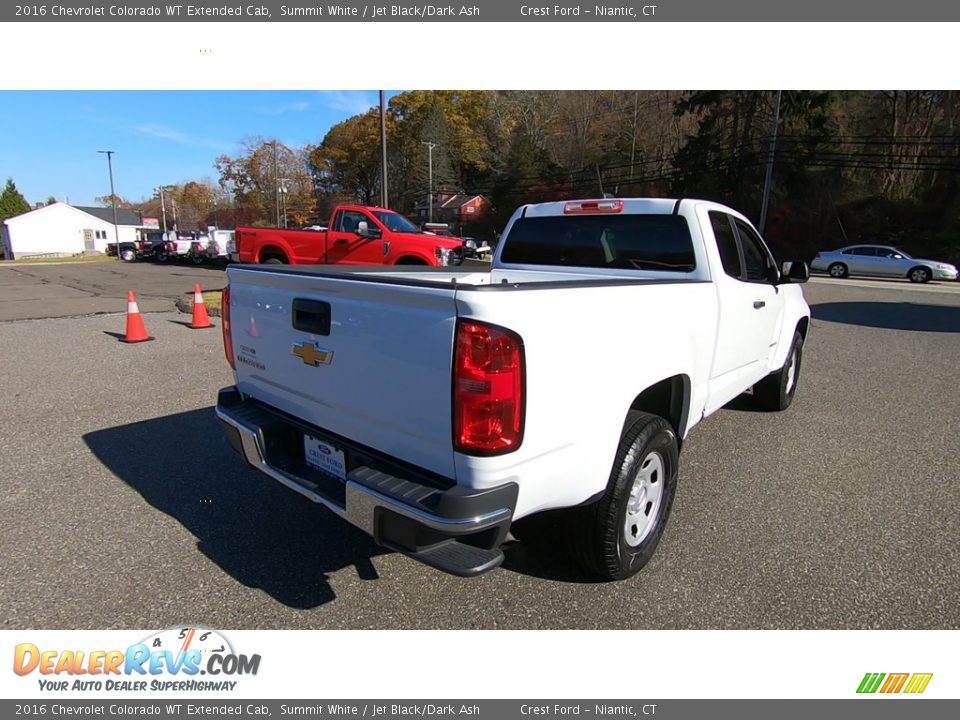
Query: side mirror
(365,231)
(796,271)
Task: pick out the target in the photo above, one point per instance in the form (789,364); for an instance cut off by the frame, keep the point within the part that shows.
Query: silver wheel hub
(792,371)
(643,505)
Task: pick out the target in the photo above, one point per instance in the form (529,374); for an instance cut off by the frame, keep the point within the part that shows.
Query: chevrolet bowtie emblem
(311,354)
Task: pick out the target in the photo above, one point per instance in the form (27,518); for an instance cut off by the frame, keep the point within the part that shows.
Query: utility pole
(276,183)
(113,201)
(430,147)
(383,153)
(163,209)
(767,180)
(283,198)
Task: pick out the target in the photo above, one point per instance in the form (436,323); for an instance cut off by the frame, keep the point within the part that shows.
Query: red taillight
(585,207)
(818,255)
(225,324)
(488,389)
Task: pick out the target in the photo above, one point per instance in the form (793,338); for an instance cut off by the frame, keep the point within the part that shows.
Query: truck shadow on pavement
(260,533)
(891,315)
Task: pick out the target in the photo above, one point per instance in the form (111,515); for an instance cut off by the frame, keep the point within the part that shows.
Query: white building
(60,229)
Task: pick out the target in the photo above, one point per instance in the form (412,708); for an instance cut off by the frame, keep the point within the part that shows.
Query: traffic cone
(200,318)
(136,330)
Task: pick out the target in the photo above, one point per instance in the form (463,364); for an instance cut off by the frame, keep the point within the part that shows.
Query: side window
(348,220)
(726,244)
(849,251)
(869,251)
(756,257)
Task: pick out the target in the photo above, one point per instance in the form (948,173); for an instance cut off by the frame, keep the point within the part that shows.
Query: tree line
(846,166)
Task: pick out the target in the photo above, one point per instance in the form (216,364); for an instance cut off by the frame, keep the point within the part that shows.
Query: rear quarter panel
(589,351)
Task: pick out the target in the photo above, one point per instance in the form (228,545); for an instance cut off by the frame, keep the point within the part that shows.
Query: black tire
(197,259)
(161,257)
(272,261)
(128,254)
(597,534)
(411,261)
(775,392)
(838,270)
(920,274)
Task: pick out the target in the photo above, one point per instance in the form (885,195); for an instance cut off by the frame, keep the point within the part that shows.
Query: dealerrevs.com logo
(171,659)
(910,683)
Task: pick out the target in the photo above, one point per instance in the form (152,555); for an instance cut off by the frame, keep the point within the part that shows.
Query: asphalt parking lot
(123,506)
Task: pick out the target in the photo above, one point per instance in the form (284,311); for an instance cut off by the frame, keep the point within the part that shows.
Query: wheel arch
(273,251)
(670,399)
(920,266)
(411,259)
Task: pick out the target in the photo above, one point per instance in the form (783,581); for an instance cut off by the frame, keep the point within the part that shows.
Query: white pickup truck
(434,408)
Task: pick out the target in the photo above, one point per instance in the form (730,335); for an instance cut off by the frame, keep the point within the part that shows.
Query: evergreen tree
(12,202)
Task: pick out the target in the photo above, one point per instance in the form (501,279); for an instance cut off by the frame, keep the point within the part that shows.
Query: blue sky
(49,139)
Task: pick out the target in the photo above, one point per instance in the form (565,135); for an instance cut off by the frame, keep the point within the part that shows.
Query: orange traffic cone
(136,330)
(200,318)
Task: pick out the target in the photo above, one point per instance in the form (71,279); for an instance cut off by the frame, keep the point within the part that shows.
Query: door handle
(757,304)
(340,242)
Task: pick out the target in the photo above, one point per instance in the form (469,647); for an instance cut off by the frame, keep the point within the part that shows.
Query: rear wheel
(838,270)
(920,275)
(128,255)
(272,261)
(617,535)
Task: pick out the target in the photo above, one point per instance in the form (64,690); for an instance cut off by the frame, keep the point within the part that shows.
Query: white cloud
(288,108)
(350,102)
(165,133)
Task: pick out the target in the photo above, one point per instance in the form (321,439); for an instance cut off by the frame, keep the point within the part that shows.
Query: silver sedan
(881,261)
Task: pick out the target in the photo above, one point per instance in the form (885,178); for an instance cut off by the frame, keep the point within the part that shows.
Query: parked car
(151,246)
(439,408)
(881,261)
(474,248)
(213,246)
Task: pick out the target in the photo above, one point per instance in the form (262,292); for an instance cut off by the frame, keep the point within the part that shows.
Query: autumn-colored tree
(107,201)
(460,125)
(347,164)
(268,178)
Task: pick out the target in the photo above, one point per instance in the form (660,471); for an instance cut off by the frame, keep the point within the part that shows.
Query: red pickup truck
(357,235)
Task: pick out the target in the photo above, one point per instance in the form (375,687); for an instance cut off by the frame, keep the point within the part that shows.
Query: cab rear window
(627,242)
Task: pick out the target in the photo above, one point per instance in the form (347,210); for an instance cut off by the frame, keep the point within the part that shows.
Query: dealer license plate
(325,458)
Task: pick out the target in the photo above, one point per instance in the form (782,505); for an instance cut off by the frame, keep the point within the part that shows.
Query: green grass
(211,298)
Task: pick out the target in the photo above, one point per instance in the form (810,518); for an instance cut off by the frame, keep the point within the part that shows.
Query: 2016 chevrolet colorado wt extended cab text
(433,408)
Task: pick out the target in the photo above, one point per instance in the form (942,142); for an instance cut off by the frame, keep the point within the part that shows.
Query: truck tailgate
(370,361)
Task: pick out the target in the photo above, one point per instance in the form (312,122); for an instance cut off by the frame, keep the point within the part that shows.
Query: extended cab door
(346,246)
(751,309)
